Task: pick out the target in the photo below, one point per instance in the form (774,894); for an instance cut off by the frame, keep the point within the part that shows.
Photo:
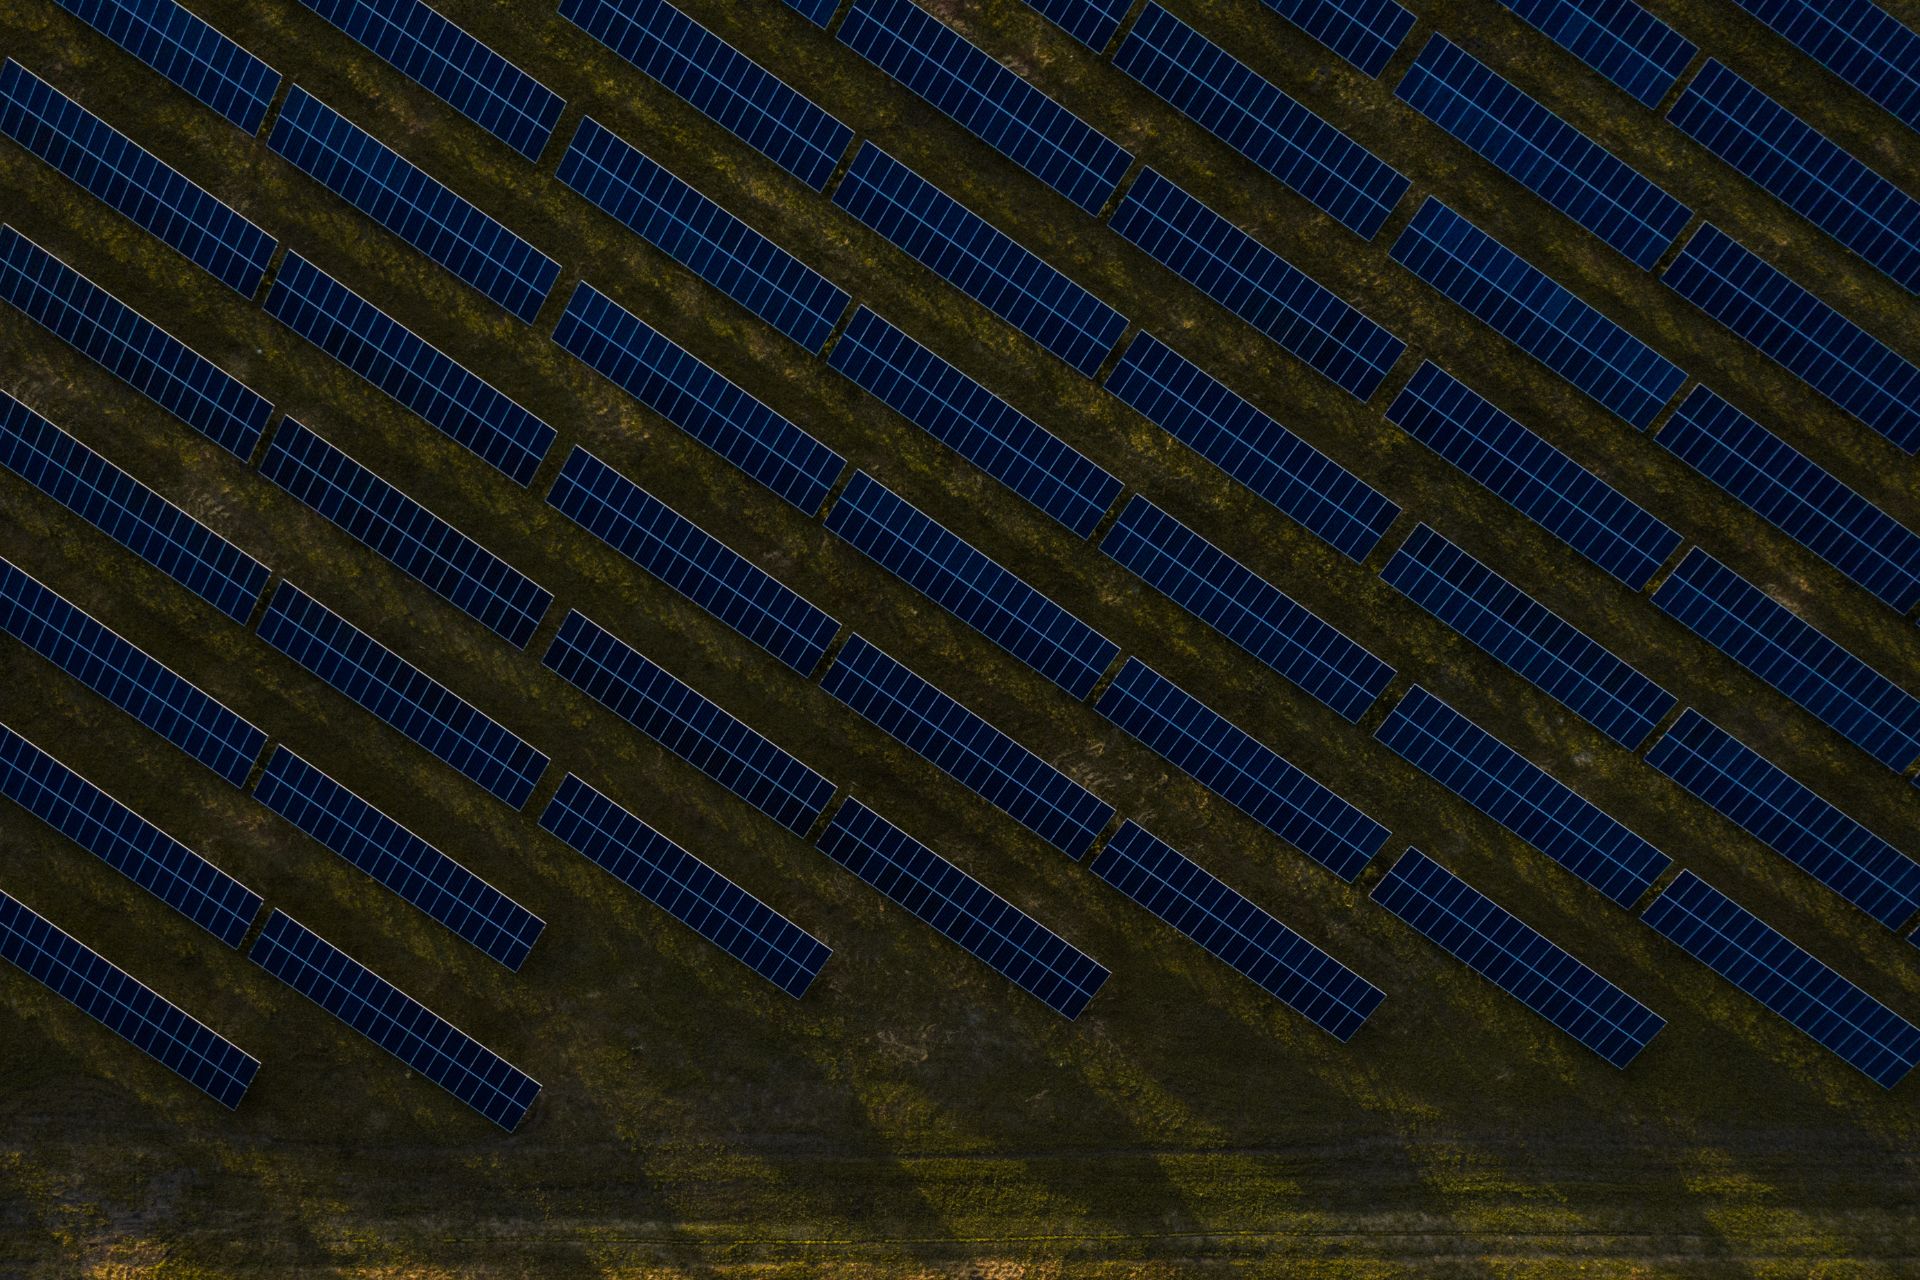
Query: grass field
(915,1114)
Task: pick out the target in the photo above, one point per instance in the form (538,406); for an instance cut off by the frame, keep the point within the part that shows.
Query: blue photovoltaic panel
(1521,796)
(1793,493)
(1562,661)
(613,674)
(186,51)
(978,425)
(1364,32)
(1517,958)
(452,565)
(394,1020)
(1250,776)
(1230,100)
(398,859)
(125,841)
(692,561)
(1858,41)
(648,366)
(718,81)
(964,746)
(1237,931)
(697,233)
(818,12)
(1544,484)
(399,362)
(379,182)
(1617,38)
(402,695)
(1764,963)
(1523,305)
(967,252)
(1091,22)
(453,66)
(132,181)
(1246,608)
(1334,338)
(1187,403)
(1011,942)
(1768,639)
(972,587)
(132,1010)
(129,346)
(128,512)
(1818,345)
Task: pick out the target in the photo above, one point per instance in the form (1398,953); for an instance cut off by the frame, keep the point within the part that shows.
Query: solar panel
(645,364)
(132,181)
(381,183)
(128,512)
(1310,322)
(400,694)
(1237,931)
(980,261)
(1202,413)
(1234,103)
(124,1005)
(1091,22)
(1523,305)
(453,66)
(685,888)
(398,859)
(1537,644)
(124,840)
(1517,958)
(1764,963)
(964,746)
(1544,484)
(1011,942)
(1858,41)
(394,1020)
(818,12)
(1364,32)
(418,542)
(1246,608)
(692,561)
(719,81)
(1770,640)
(1617,38)
(687,724)
(1521,796)
(962,414)
(951,573)
(129,346)
(1250,776)
(187,52)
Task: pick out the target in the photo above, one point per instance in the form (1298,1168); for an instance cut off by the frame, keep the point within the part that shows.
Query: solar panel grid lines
(1858,41)
(818,12)
(1091,22)
(1365,33)
(195,57)
(1617,38)
(963,910)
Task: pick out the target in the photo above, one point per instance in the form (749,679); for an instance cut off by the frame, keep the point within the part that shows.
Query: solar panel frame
(1617,38)
(188,52)
(1366,33)
(1091,22)
(1858,41)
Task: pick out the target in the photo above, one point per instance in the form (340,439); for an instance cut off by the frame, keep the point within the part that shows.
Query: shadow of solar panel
(419,543)
(125,841)
(129,1008)
(453,66)
(1765,964)
(1858,41)
(718,81)
(685,888)
(1542,483)
(1537,644)
(1304,484)
(1364,32)
(400,694)
(1237,931)
(976,590)
(703,237)
(1511,954)
(1331,336)
(964,746)
(1091,22)
(1248,775)
(967,252)
(187,52)
(1771,641)
(1617,38)
(818,12)
(619,678)
(962,910)
(1230,100)
(978,425)
(129,346)
(1522,797)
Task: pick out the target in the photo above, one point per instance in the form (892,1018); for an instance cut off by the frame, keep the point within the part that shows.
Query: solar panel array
(1617,38)
(1858,41)
(1091,22)
(818,12)
(188,52)
(1364,32)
